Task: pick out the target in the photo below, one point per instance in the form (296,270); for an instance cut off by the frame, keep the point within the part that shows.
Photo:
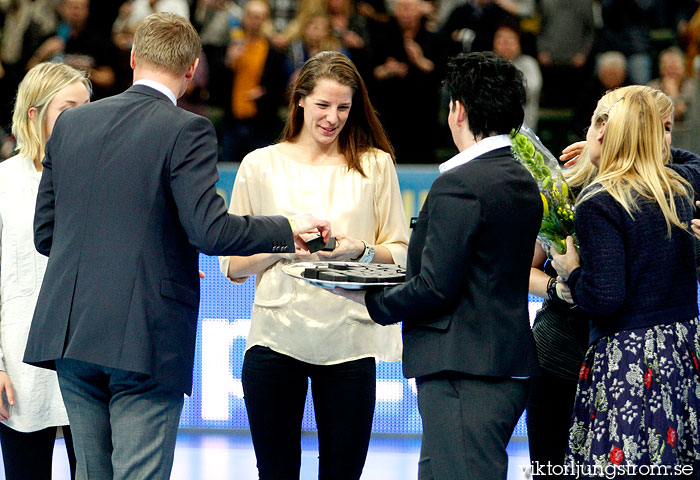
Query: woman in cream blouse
(32,407)
(336,161)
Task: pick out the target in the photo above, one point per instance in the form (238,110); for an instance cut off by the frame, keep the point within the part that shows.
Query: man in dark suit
(466,329)
(127,200)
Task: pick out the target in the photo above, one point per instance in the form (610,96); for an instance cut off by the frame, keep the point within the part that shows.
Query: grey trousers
(124,424)
(467,424)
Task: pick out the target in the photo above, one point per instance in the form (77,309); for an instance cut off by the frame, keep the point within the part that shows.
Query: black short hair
(491,89)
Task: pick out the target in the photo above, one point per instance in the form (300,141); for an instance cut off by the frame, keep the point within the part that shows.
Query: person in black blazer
(126,202)
(464,306)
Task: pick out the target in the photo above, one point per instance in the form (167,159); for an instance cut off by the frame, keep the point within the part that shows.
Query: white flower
(634,375)
(630,448)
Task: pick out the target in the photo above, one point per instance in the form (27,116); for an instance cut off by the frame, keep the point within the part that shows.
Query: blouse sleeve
(392,226)
(241,203)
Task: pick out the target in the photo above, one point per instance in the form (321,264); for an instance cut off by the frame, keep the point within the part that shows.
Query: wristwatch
(367,255)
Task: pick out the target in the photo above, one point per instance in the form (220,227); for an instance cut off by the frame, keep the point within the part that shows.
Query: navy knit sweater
(631,274)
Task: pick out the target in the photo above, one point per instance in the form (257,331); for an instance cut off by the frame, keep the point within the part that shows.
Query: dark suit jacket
(464,305)
(127,199)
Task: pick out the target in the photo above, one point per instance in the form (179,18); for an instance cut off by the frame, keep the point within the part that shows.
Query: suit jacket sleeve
(202,211)
(44,211)
(435,289)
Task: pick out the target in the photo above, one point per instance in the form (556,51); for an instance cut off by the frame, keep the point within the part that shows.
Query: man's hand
(9,391)
(563,291)
(567,263)
(307,223)
(357,296)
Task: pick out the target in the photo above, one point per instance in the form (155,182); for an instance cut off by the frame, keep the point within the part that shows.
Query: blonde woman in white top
(334,160)
(31,408)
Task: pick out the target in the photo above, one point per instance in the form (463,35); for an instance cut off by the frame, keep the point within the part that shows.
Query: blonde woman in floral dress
(639,389)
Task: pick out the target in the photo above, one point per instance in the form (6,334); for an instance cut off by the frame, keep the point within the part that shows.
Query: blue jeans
(124,423)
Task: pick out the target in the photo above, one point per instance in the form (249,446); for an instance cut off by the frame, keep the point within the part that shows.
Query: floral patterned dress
(638,399)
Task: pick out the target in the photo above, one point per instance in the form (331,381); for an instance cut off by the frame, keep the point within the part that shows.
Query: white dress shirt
(159,87)
(481,147)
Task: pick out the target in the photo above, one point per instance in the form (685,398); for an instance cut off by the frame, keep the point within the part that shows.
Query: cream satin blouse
(290,316)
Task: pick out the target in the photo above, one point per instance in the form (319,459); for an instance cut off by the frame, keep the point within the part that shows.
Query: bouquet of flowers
(558,203)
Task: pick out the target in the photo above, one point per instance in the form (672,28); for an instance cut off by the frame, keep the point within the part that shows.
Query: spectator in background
(611,74)
(506,44)
(26,25)
(282,12)
(683,92)
(626,29)
(405,65)
(688,30)
(131,12)
(197,93)
(260,75)
(80,46)
(103,13)
(517,8)
(122,39)
(143,8)
(215,19)
(563,62)
(352,30)
(316,36)
(295,26)
(471,26)
(7,146)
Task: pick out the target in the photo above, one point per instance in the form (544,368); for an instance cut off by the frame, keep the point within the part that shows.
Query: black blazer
(127,200)
(464,305)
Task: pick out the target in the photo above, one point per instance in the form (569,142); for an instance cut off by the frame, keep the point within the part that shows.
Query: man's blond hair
(166,41)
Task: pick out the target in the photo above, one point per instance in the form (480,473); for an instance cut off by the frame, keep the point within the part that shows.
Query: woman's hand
(571,153)
(346,249)
(9,391)
(567,263)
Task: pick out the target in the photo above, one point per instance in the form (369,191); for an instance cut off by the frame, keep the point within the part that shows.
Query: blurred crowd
(571,52)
